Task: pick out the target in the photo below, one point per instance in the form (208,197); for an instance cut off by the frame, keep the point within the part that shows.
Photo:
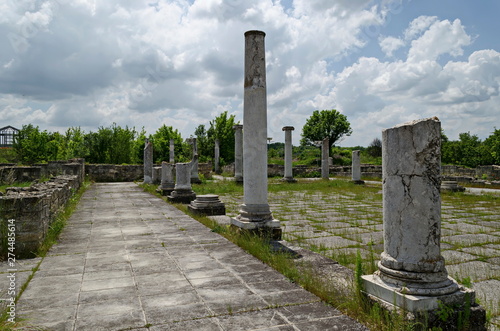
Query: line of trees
(123,145)
(118,145)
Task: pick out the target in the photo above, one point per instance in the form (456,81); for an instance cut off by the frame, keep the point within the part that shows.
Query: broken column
(208,204)
(172,151)
(194,169)
(238,153)
(182,193)
(356,168)
(325,155)
(217,157)
(167,178)
(412,273)
(255,214)
(288,177)
(148,162)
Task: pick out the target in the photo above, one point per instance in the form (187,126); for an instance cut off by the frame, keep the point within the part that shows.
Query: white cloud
(419,25)
(390,44)
(442,37)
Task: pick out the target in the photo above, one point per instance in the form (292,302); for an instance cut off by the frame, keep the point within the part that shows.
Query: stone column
(167,178)
(356,168)
(217,157)
(148,162)
(288,154)
(255,214)
(238,153)
(172,151)
(182,192)
(325,155)
(194,170)
(412,271)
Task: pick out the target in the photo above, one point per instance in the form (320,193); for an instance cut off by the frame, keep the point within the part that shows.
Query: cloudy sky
(140,63)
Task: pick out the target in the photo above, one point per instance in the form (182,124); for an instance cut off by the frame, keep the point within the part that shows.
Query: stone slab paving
(129,261)
(338,223)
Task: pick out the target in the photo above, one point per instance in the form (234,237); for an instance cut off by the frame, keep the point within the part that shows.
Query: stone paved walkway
(127,260)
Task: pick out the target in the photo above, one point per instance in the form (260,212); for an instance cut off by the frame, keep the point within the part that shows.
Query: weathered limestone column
(148,162)
(194,169)
(325,155)
(167,178)
(288,154)
(217,157)
(238,153)
(172,151)
(182,192)
(255,214)
(412,271)
(356,168)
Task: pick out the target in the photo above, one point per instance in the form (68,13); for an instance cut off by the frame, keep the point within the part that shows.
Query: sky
(92,63)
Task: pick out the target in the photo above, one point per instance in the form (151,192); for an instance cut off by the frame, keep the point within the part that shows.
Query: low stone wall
(114,172)
(33,209)
(17,174)
(131,172)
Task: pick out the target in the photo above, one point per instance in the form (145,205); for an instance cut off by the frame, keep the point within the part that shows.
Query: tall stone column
(172,151)
(238,153)
(217,157)
(288,154)
(412,271)
(195,178)
(325,155)
(148,162)
(356,168)
(255,213)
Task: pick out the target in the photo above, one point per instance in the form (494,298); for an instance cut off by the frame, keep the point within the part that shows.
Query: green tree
(323,124)
(492,146)
(161,144)
(74,142)
(375,148)
(31,144)
(221,128)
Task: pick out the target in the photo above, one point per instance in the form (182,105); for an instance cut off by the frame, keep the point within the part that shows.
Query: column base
(209,205)
(239,180)
(181,196)
(195,180)
(268,229)
(358,182)
(427,310)
(395,295)
(147,180)
(289,180)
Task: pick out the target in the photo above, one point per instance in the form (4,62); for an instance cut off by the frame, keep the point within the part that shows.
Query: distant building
(7,136)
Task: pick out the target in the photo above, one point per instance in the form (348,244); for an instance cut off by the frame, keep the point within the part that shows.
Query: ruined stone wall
(33,209)
(17,174)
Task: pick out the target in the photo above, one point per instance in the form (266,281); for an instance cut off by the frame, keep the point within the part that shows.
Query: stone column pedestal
(412,273)
(356,168)
(208,204)
(288,176)
(238,153)
(167,179)
(182,192)
(148,163)
(325,155)
(255,214)
(451,186)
